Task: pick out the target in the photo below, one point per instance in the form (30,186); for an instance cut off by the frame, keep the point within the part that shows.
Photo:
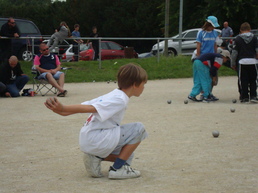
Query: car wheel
(172,52)
(25,55)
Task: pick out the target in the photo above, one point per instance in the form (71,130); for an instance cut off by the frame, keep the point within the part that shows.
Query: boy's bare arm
(64,110)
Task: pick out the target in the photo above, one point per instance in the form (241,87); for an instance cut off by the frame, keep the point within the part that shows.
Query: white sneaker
(92,165)
(123,173)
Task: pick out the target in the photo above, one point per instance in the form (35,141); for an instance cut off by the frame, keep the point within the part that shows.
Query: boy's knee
(140,126)
(141,130)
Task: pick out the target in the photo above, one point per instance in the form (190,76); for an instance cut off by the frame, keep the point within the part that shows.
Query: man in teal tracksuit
(204,69)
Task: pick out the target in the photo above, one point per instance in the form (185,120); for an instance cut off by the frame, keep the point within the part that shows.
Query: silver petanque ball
(169,101)
(215,133)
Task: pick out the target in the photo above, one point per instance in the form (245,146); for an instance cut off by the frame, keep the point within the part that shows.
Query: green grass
(167,67)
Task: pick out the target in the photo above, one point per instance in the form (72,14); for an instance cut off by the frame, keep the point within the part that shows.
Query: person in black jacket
(244,59)
(9,29)
(12,76)
(95,42)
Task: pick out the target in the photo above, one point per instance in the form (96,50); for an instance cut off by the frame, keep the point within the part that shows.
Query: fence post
(158,50)
(99,53)
(32,44)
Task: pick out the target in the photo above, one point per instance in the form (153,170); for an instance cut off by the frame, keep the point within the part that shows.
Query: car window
(191,34)
(114,46)
(27,28)
(177,36)
(104,46)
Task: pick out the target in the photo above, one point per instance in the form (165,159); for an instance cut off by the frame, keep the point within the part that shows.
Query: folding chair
(42,86)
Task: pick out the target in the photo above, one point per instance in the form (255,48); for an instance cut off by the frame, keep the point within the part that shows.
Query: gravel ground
(40,151)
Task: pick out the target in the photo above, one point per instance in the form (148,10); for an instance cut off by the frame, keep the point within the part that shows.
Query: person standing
(95,42)
(244,59)
(13,78)
(207,40)
(226,33)
(76,42)
(207,37)
(10,30)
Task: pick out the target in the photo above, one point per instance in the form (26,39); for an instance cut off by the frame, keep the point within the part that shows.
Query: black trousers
(247,81)
(96,50)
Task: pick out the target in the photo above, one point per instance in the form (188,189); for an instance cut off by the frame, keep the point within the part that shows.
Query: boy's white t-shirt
(101,132)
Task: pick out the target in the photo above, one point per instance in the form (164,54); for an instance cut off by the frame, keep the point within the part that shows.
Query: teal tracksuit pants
(201,79)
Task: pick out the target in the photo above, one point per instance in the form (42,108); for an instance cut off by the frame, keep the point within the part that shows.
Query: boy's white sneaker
(124,172)
(92,165)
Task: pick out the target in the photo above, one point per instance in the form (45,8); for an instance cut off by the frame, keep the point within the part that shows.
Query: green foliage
(89,71)
(129,18)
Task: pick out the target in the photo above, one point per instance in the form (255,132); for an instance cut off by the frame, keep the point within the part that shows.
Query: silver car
(188,43)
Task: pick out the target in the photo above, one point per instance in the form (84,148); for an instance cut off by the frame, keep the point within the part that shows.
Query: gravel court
(40,151)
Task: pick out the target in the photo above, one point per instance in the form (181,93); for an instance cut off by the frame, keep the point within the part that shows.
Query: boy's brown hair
(245,27)
(131,74)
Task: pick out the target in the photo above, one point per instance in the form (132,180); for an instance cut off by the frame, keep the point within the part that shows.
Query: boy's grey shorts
(130,133)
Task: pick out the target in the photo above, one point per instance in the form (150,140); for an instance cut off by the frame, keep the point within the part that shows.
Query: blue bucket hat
(213,20)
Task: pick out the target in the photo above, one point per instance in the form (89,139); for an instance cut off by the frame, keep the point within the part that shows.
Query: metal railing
(31,41)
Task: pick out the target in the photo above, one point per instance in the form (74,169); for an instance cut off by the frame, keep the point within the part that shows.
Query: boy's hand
(214,81)
(54,105)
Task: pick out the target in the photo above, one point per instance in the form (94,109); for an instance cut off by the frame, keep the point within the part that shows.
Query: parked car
(109,50)
(68,56)
(22,48)
(188,44)
(145,55)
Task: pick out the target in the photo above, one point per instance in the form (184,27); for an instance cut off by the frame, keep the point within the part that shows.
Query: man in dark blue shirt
(49,66)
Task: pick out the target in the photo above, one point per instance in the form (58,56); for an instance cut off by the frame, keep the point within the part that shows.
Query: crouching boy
(102,138)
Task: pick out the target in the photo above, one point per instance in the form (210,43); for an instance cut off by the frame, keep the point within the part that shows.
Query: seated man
(49,66)
(12,77)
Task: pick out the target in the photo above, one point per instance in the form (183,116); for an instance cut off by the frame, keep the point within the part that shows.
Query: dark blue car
(22,48)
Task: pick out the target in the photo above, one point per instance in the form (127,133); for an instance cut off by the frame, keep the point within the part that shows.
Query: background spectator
(49,66)
(95,43)
(76,42)
(12,76)
(226,33)
(9,29)
(58,37)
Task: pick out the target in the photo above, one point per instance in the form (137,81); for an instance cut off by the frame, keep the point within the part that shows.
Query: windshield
(27,28)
